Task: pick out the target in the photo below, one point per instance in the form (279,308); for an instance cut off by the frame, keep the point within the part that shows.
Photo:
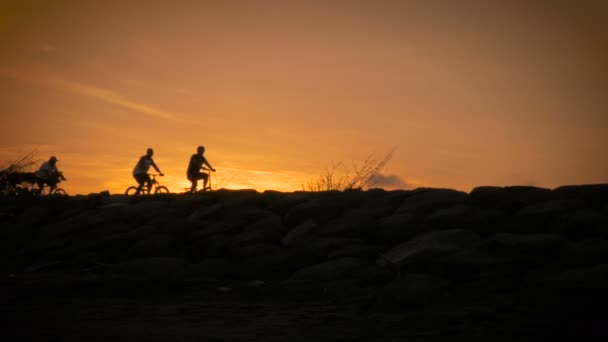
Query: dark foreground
(517,263)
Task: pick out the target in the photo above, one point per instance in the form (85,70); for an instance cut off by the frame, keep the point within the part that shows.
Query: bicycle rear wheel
(161,190)
(60,191)
(131,191)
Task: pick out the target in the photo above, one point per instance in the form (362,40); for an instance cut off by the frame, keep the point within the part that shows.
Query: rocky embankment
(534,255)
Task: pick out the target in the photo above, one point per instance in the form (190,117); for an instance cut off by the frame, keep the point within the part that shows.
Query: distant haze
(467,92)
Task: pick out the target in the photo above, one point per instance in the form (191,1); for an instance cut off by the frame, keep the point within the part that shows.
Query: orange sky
(468,92)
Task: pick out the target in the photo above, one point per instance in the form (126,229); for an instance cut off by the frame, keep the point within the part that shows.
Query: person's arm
(210,167)
(156,168)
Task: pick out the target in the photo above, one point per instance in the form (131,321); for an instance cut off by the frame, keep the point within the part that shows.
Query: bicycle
(205,187)
(156,188)
(57,191)
(39,191)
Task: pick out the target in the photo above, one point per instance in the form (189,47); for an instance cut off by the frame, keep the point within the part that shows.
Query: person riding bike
(140,172)
(196,163)
(49,174)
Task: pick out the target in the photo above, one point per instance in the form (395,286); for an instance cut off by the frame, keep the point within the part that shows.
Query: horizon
(465,94)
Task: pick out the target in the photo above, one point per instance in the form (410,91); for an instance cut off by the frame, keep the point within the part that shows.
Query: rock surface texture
(425,264)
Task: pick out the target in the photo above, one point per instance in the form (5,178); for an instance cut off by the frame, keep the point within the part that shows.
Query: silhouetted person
(49,174)
(140,172)
(194,169)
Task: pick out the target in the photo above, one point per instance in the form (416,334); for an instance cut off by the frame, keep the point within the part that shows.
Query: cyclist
(49,174)
(196,163)
(140,172)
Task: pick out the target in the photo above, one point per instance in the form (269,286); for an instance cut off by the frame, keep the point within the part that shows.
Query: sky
(465,93)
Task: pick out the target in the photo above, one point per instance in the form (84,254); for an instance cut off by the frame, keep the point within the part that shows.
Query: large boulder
(453,217)
(426,200)
(510,198)
(330,270)
(395,228)
(300,234)
(430,248)
(525,250)
(411,289)
(582,224)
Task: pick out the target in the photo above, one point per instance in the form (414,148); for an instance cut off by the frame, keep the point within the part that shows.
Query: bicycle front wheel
(161,190)
(60,191)
(131,191)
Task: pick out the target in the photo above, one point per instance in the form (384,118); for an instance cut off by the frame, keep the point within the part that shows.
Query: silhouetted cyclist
(194,169)
(49,174)
(140,172)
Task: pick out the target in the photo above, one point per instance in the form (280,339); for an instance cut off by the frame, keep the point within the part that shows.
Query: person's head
(53,160)
(150,152)
(200,150)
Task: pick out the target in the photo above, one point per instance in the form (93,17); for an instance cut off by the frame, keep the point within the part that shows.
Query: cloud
(102,94)
(114,98)
(390,182)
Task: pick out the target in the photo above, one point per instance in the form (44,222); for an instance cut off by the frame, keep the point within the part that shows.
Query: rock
(148,268)
(213,246)
(206,212)
(574,280)
(330,270)
(541,217)
(510,198)
(432,247)
(589,252)
(214,268)
(34,215)
(253,251)
(487,222)
(426,200)
(529,249)
(487,196)
(268,229)
(153,246)
(352,223)
(300,234)
(359,251)
(144,211)
(394,228)
(593,195)
(454,217)
(582,224)
(411,289)
(321,209)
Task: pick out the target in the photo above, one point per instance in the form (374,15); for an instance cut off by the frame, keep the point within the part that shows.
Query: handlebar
(207,169)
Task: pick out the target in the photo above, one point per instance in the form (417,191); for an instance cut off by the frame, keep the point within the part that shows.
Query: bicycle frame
(155,187)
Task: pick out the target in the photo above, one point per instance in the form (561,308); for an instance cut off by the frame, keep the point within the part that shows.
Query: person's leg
(205,178)
(140,180)
(149,181)
(40,183)
(52,181)
(194,181)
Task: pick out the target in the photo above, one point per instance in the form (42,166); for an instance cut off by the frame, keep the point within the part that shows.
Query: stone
(426,200)
(395,228)
(454,217)
(300,234)
(206,212)
(432,247)
(330,270)
(411,289)
(529,249)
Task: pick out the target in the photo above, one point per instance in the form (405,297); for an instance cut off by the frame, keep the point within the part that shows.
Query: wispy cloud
(99,93)
(114,98)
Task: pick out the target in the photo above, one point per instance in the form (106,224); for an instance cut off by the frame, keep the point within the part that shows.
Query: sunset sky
(467,93)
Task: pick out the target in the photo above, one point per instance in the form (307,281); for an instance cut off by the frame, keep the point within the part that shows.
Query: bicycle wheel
(60,191)
(161,190)
(131,191)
